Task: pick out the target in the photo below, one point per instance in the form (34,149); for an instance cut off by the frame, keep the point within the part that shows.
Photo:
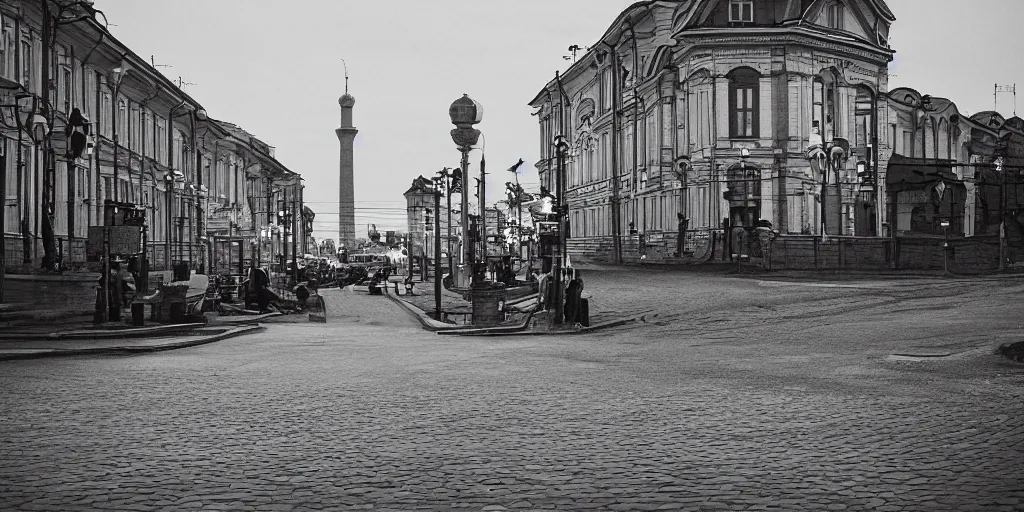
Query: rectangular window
(743,104)
(743,112)
(105,114)
(6,47)
(606,90)
(741,11)
(26,64)
(835,16)
(818,105)
(653,150)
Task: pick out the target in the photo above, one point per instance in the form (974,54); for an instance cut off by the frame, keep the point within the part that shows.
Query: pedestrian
(542,291)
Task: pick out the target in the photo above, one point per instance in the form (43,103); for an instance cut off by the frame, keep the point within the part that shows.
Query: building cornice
(691,39)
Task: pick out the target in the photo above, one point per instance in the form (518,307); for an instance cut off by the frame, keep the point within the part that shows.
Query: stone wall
(963,255)
(73,294)
(808,252)
(660,248)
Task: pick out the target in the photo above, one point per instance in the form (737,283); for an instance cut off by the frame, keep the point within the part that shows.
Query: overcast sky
(274,67)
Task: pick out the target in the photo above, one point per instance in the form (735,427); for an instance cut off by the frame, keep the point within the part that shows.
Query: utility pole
(437,249)
(483,215)
(295,232)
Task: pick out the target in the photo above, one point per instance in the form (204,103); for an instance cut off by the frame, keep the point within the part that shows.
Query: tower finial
(346,74)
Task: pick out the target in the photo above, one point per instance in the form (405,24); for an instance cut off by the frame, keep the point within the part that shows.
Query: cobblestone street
(742,394)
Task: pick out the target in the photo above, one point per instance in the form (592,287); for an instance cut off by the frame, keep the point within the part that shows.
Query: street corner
(38,349)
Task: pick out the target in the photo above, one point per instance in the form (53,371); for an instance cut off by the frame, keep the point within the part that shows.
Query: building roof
(347,101)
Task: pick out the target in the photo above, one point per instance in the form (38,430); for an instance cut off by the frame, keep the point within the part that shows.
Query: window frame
(744,80)
(737,8)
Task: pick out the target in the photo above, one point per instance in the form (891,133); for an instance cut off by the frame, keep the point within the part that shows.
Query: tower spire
(346,74)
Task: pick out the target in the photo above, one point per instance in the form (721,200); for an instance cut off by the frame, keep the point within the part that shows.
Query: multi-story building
(695,114)
(151,146)
(692,116)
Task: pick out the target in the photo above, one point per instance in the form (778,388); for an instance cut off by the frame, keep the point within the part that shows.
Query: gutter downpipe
(616,129)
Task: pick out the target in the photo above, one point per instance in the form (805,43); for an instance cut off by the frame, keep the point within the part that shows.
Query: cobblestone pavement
(800,406)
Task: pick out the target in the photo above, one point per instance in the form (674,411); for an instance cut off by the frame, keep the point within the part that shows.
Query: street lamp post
(827,158)
(561,148)
(684,167)
(464,113)
(170,178)
(438,181)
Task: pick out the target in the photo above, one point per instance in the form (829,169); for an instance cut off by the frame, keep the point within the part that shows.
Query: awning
(914,173)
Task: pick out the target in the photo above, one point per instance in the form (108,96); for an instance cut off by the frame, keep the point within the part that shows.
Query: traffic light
(77,132)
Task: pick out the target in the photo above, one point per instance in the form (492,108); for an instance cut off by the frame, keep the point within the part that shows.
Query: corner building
(688,113)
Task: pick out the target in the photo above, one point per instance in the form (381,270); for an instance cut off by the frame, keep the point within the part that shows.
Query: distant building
(419,200)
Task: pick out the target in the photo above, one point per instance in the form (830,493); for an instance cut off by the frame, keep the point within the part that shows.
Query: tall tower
(346,193)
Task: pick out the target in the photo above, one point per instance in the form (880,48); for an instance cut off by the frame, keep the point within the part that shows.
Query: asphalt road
(741,394)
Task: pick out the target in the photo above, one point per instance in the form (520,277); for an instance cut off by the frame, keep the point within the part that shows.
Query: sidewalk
(11,349)
(528,323)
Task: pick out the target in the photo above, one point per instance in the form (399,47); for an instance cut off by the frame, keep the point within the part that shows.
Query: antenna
(1005,88)
(152,62)
(181,83)
(346,74)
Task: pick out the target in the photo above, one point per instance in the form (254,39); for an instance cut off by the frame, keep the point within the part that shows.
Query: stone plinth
(485,301)
(72,293)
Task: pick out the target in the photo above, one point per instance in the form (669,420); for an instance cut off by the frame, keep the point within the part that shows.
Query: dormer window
(834,16)
(741,11)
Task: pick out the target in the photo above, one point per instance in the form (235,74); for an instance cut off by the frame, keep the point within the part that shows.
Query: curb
(232,333)
(420,316)
(586,330)
(246,319)
(142,332)
(429,323)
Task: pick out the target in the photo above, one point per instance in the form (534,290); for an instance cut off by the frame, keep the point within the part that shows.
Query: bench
(168,304)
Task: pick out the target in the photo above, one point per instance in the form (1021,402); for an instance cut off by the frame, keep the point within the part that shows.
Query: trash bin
(177,312)
(138,314)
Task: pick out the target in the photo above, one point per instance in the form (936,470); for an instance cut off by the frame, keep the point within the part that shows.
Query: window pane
(750,98)
(734,12)
(749,132)
(748,12)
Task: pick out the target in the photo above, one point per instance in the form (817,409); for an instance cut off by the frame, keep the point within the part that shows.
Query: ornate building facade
(150,146)
(696,116)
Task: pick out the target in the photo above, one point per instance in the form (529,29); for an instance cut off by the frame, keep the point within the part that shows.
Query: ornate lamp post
(827,159)
(682,167)
(464,113)
(170,179)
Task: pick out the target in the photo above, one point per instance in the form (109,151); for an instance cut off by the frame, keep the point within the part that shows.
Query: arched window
(743,103)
